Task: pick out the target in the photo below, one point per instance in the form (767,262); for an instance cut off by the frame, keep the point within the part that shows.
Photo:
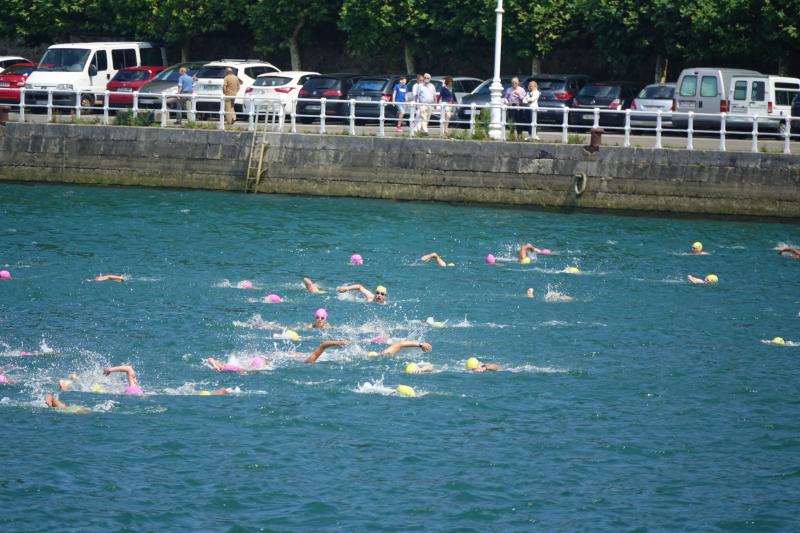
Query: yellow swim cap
(451,264)
(525,260)
(405,390)
(292,335)
(205,393)
(712,278)
(697,246)
(778,340)
(573,270)
(97,388)
(372,354)
(473,363)
(411,368)
(381,288)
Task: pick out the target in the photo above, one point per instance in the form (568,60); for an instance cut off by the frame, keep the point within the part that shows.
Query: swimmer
(320,320)
(697,249)
(55,403)
(414,368)
(711,279)
(311,286)
(256,363)
(433,255)
(473,365)
(4,379)
(529,293)
(133,387)
(378,297)
(108,277)
(217,392)
(321,348)
(792,251)
(396,347)
(523,253)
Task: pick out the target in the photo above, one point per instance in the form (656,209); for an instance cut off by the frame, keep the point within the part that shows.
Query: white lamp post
(496,89)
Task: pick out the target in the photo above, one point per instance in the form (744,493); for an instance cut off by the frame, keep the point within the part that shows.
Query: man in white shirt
(426,97)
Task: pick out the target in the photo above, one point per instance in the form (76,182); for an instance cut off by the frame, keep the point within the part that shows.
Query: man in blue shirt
(185,86)
(399,97)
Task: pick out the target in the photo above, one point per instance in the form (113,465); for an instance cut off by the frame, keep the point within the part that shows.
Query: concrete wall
(429,169)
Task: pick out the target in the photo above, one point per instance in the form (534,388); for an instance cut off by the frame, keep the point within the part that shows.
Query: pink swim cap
(356,259)
(321,313)
(273,299)
(5,274)
(490,260)
(26,354)
(231,368)
(246,284)
(258,362)
(3,378)
(380,340)
(134,390)
(545,251)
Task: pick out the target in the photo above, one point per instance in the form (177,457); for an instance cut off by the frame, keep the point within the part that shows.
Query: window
(688,86)
(303,79)
(370,84)
(64,59)
(100,60)
(213,72)
(657,92)
(125,57)
(784,97)
(272,81)
(757,94)
(132,75)
(151,57)
(708,87)
(740,90)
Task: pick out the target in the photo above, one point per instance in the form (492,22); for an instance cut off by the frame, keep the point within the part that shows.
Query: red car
(127,81)
(12,79)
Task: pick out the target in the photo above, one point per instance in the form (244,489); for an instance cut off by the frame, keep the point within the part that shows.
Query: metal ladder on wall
(272,117)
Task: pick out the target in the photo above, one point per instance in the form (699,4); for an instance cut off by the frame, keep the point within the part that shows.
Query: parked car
(480,97)
(7,61)
(334,88)
(704,90)
(606,96)
(166,83)
(557,92)
(461,86)
(647,103)
(283,86)
(128,81)
(209,81)
(12,79)
(86,68)
(768,97)
(368,92)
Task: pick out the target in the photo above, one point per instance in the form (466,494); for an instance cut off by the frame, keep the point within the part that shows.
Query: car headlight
(64,87)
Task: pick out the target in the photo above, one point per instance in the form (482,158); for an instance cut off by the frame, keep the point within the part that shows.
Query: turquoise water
(644,404)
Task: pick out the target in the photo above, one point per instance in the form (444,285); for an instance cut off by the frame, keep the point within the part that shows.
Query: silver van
(704,90)
(768,97)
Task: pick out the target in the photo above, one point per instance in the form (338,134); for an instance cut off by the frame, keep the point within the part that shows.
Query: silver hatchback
(651,99)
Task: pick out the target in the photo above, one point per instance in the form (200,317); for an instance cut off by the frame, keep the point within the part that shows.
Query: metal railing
(346,115)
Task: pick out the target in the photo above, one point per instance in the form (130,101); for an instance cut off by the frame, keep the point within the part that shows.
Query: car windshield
(370,84)
(18,70)
(657,92)
(173,74)
(484,88)
(213,72)
(550,84)
(271,81)
(600,91)
(131,75)
(315,84)
(64,60)
(436,83)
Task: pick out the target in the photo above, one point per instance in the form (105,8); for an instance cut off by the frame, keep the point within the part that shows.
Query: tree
(535,28)
(43,21)
(281,23)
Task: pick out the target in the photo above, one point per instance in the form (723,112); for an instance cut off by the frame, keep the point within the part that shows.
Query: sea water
(646,403)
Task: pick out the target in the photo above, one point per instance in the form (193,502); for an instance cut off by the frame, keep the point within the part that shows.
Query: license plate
(363,98)
(587,116)
(210,88)
(469,111)
(689,104)
(125,90)
(4,84)
(312,107)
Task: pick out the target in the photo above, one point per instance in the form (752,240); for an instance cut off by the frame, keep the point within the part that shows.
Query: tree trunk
(782,70)
(185,52)
(294,43)
(536,65)
(411,68)
(662,64)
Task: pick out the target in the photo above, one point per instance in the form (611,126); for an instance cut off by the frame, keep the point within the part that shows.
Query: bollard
(4,109)
(596,139)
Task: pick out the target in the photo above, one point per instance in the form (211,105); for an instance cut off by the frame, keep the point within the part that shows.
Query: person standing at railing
(413,114)
(446,98)
(399,98)
(426,97)
(532,100)
(513,98)
(185,89)
(230,88)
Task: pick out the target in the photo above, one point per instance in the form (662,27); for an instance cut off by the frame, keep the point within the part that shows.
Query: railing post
(596,119)
(659,124)
(690,132)
(472,109)
(49,104)
(627,139)
(251,113)
(754,144)
(323,103)
(534,123)
(192,108)
(352,116)
(565,126)
(722,131)
(78,109)
(105,107)
(135,104)
(787,149)
(22,105)
(222,113)
(164,112)
(503,120)
(381,117)
(294,121)
(281,117)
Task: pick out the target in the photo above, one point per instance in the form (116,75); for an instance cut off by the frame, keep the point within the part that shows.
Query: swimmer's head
(246,284)
(321,313)
(451,264)
(405,390)
(490,260)
(473,363)
(697,246)
(97,388)
(712,278)
(372,354)
(529,292)
(778,340)
(273,299)
(205,393)
(258,362)
(526,261)
(292,335)
(545,251)
(411,368)
(356,259)
(572,270)
(380,293)
(5,275)
(134,390)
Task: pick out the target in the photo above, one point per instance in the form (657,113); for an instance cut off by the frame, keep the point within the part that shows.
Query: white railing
(346,115)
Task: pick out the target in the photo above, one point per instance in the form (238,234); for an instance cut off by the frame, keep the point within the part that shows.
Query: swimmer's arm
(127,369)
(357,287)
(695,280)
(396,347)
(310,286)
(524,249)
(491,367)
(321,348)
(434,255)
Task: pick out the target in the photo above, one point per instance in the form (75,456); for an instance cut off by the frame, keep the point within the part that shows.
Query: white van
(86,67)
(769,97)
(704,90)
